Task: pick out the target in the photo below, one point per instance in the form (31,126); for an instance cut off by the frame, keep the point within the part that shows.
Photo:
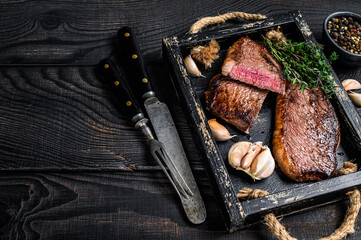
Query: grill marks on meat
(250,62)
(234,102)
(251,70)
(306,136)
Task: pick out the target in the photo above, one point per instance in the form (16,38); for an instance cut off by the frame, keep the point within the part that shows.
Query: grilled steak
(233,101)
(250,62)
(306,136)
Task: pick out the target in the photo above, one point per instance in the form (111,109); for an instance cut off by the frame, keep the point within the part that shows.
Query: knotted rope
(274,225)
(348,167)
(346,227)
(207,54)
(197,26)
(348,223)
(276,36)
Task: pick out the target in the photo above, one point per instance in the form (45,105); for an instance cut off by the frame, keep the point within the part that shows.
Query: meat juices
(250,62)
(234,102)
(306,135)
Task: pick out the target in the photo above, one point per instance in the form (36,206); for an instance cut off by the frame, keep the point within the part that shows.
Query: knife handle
(129,43)
(114,78)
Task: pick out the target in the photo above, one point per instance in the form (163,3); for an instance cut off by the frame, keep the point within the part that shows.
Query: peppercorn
(335,34)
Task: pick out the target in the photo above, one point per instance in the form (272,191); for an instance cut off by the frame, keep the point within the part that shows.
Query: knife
(163,125)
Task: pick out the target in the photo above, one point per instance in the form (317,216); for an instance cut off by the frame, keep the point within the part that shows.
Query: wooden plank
(128,206)
(103,206)
(66,118)
(73,32)
(89,205)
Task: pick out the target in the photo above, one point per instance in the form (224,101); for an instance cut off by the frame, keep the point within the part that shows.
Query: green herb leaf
(303,64)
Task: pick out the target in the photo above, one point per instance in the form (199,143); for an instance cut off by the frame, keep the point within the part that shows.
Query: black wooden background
(71,165)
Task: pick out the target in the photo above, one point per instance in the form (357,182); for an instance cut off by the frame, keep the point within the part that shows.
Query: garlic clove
(237,152)
(355,98)
(251,154)
(267,172)
(263,165)
(351,84)
(259,162)
(192,67)
(219,132)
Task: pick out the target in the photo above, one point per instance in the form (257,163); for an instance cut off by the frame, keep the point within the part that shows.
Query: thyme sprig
(303,64)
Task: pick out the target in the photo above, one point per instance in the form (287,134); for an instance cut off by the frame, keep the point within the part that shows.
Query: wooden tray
(285,196)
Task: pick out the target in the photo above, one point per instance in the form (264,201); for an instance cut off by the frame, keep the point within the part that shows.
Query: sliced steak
(306,135)
(234,102)
(250,62)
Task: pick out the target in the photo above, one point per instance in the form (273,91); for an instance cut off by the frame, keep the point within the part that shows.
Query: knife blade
(163,125)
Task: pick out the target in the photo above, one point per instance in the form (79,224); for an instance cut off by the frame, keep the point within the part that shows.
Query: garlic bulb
(252,158)
(355,98)
(220,133)
(351,84)
(192,67)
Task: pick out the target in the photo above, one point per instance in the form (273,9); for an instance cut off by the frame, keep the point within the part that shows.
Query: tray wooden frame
(237,214)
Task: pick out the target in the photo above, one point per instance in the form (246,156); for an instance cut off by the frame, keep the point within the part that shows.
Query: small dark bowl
(345,57)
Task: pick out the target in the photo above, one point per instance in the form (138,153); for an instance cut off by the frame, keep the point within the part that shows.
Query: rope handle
(197,26)
(346,227)
(207,54)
